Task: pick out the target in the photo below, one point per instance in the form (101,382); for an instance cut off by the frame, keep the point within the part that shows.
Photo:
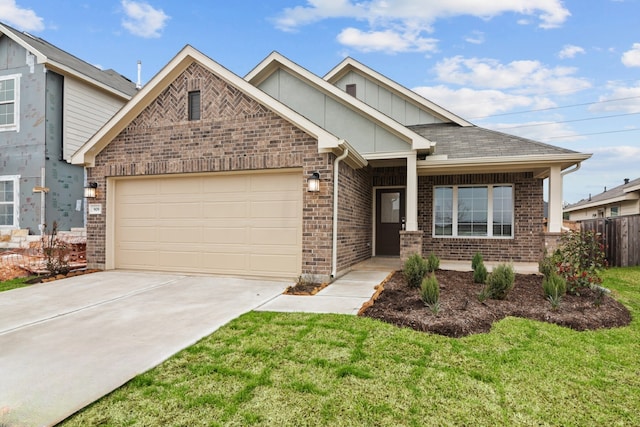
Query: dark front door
(389,219)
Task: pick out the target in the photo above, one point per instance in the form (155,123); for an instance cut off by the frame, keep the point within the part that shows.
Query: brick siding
(354,213)
(526,246)
(235,133)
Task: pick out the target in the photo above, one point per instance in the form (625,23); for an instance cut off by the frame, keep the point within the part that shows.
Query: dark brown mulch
(51,278)
(461,313)
(305,288)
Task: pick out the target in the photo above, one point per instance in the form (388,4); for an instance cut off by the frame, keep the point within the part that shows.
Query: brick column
(410,243)
(550,242)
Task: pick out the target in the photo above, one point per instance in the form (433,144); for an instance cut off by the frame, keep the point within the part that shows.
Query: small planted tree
(476,260)
(554,287)
(415,268)
(500,281)
(480,273)
(55,251)
(430,293)
(433,263)
(580,258)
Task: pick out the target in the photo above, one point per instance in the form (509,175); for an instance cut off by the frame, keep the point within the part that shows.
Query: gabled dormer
(387,96)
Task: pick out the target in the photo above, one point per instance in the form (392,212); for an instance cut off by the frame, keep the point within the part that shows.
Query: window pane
(6,214)
(7,88)
(6,191)
(472,211)
(194,105)
(6,114)
(443,211)
(503,210)
(390,208)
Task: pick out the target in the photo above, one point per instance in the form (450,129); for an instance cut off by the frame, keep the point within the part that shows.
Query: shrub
(579,259)
(430,292)
(415,268)
(476,260)
(500,281)
(480,273)
(554,287)
(433,263)
(55,251)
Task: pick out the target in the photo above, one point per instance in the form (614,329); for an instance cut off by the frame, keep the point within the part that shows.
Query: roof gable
(276,62)
(350,65)
(188,55)
(64,63)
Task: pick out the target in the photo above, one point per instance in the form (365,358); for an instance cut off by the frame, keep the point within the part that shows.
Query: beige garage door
(221,224)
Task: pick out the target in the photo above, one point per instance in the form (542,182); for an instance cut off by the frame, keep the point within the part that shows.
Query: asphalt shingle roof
(460,142)
(611,193)
(110,78)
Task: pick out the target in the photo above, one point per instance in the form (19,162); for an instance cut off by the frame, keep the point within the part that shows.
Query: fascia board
(351,64)
(65,70)
(275,60)
(9,33)
(633,188)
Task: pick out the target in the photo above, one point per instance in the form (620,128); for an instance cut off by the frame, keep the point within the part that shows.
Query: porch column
(412,193)
(554,222)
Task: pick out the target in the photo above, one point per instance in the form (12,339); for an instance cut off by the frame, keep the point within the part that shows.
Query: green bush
(500,281)
(548,265)
(480,273)
(430,292)
(579,259)
(415,268)
(433,263)
(554,287)
(476,260)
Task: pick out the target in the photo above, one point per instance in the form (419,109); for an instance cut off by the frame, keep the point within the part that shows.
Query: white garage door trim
(236,223)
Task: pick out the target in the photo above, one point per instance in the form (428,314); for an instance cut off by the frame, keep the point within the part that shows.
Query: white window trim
(15,126)
(16,200)
(489,235)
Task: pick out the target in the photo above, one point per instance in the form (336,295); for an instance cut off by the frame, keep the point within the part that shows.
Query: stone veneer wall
(526,246)
(235,133)
(355,216)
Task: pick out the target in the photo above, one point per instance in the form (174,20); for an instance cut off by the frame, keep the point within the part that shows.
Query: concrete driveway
(66,343)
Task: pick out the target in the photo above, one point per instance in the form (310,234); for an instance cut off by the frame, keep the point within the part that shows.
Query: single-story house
(284,173)
(618,201)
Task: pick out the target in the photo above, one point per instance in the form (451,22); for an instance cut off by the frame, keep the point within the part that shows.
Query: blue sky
(562,72)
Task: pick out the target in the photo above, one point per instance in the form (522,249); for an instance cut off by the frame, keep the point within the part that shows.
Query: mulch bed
(461,313)
(305,288)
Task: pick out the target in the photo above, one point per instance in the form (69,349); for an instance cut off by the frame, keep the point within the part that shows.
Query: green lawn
(14,283)
(300,369)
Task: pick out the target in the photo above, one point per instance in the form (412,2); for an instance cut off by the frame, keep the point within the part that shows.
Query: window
(473,211)
(9,102)
(194,105)
(351,89)
(615,210)
(9,201)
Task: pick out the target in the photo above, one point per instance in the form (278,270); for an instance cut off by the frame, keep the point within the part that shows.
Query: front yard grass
(19,282)
(305,369)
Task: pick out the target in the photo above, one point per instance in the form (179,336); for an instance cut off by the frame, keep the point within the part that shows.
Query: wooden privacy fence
(621,236)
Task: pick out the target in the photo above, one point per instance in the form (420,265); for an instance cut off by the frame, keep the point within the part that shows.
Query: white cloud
(631,58)
(570,51)
(413,16)
(470,103)
(620,98)
(385,41)
(142,19)
(524,77)
(21,18)
(476,37)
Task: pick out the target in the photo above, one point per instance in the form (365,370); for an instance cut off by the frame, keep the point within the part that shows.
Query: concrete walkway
(65,344)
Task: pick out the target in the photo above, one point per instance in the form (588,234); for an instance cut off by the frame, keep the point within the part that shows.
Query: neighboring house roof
(60,61)
(275,61)
(483,149)
(327,142)
(627,191)
(350,64)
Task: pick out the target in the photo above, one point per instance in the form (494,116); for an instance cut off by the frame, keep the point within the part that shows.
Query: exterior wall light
(90,190)
(313,182)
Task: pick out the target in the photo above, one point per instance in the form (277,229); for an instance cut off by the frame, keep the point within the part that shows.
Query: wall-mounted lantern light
(90,190)
(313,182)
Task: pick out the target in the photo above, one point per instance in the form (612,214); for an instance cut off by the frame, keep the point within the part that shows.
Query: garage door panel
(224,224)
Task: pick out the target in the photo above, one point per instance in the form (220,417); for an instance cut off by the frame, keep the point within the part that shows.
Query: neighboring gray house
(618,201)
(51,103)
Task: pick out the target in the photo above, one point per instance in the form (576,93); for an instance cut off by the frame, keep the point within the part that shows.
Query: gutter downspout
(562,174)
(334,260)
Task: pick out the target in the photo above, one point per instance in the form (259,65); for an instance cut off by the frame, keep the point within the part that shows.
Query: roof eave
(595,204)
(538,164)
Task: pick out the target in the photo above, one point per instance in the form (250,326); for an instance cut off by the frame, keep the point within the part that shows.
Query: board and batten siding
(86,110)
(387,102)
(361,133)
